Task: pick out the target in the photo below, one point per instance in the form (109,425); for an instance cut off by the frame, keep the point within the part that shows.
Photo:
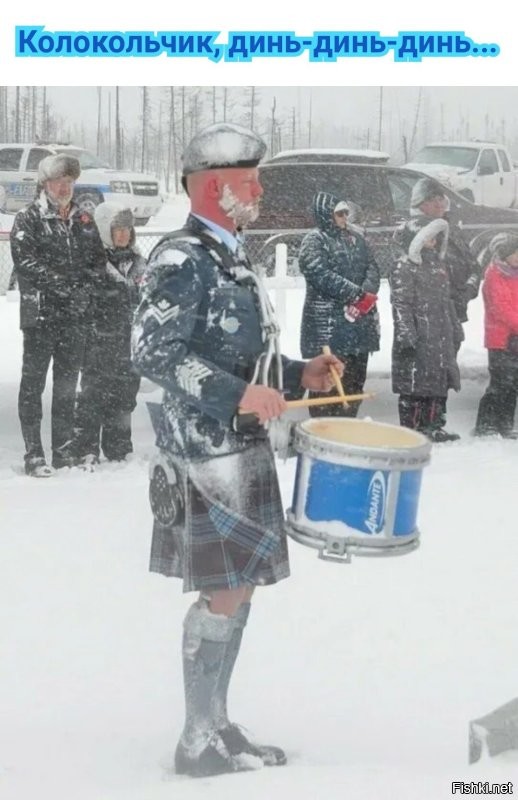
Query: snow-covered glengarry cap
(222,146)
(61,166)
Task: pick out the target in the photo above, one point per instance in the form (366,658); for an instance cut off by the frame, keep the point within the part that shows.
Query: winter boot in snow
(88,462)
(63,457)
(439,435)
(201,750)
(34,458)
(234,738)
(38,468)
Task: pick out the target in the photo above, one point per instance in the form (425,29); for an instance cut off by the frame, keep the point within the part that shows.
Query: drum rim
(402,458)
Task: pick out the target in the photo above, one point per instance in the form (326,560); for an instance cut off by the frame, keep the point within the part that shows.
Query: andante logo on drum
(377,497)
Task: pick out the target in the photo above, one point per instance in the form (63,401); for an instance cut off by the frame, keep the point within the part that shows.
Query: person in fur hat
(109,383)
(58,262)
(426,332)
(497,407)
(429,201)
(342,281)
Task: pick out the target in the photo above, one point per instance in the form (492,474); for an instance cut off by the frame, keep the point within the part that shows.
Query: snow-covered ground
(367,673)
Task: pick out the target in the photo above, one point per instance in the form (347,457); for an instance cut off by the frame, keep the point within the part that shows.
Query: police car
(97,182)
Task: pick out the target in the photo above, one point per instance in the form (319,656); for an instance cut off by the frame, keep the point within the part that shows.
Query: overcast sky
(459,112)
(344,105)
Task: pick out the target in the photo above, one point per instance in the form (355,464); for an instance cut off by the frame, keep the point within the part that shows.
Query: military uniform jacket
(58,262)
(198,334)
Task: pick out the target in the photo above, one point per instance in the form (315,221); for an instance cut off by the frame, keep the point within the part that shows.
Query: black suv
(381,197)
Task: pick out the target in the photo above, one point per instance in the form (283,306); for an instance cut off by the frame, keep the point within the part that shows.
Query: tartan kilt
(231,530)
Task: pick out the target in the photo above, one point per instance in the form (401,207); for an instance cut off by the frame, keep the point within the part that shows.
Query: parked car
(381,198)
(97,182)
(339,154)
(483,172)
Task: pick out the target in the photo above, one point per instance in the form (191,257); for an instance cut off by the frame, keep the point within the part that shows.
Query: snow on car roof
(472,144)
(342,152)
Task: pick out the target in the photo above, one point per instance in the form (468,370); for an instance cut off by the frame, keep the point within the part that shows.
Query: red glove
(361,307)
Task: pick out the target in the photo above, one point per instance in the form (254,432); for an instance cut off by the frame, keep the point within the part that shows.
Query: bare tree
(213,104)
(380,117)
(118,132)
(99,118)
(310,120)
(144,129)
(17,116)
(272,128)
(4,121)
(172,153)
(416,120)
(225,101)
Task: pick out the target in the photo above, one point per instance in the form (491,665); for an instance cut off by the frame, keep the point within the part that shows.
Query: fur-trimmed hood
(113,215)
(437,227)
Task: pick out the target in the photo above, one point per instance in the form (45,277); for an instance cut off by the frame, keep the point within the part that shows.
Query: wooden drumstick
(336,377)
(327,401)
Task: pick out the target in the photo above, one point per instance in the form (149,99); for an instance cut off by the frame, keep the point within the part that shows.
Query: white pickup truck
(482,172)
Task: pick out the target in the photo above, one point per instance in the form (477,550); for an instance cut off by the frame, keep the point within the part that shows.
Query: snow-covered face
(121,237)
(240,195)
(340,218)
(435,207)
(60,190)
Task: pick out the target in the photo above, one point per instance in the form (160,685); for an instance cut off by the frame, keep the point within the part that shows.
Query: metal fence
(260,249)
(6,262)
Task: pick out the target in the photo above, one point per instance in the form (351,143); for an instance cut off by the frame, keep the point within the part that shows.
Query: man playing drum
(204,332)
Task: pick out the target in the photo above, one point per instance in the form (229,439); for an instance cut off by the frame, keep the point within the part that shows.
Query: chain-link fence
(260,247)
(6,262)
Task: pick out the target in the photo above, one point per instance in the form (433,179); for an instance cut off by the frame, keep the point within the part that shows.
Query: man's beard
(61,202)
(241,213)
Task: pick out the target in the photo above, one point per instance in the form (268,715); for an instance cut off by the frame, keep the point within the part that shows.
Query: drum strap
(268,368)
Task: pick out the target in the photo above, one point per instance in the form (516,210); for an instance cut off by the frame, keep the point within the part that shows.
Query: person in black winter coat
(428,202)
(426,333)
(342,281)
(58,261)
(109,383)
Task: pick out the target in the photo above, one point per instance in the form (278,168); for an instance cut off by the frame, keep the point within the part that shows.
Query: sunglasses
(342,213)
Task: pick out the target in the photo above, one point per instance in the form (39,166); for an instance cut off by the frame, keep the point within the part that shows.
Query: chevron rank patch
(190,376)
(163,311)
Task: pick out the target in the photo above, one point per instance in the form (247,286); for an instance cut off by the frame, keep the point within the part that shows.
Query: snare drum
(357,487)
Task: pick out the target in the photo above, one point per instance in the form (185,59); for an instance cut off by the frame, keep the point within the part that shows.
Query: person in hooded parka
(426,332)
(428,201)
(342,281)
(109,383)
(59,263)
